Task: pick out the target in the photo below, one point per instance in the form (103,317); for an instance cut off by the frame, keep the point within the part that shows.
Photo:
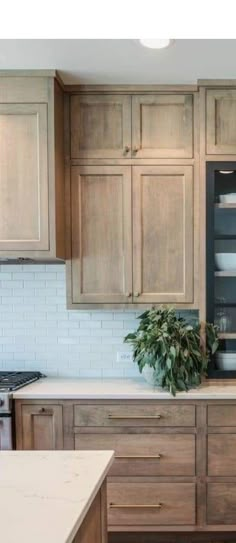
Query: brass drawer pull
(134,416)
(136,506)
(138,456)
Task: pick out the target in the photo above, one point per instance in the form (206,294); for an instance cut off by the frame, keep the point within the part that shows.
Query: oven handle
(6,433)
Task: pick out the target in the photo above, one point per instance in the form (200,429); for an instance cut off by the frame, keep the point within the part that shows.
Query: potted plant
(169,351)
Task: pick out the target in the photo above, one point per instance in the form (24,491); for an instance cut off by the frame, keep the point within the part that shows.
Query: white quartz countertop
(44,496)
(118,389)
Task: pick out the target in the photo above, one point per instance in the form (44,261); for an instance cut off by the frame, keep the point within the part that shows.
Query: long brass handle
(134,416)
(134,505)
(138,456)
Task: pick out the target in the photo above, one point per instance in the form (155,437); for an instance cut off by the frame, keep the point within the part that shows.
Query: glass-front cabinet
(221,263)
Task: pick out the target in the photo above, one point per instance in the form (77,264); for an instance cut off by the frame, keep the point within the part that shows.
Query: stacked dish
(226,361)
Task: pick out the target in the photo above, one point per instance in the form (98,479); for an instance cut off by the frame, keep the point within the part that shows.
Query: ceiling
(123,61)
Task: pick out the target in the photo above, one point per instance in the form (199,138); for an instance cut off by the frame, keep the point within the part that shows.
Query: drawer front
(123,414)
(221,455)
(222,415)
(146,504)
(221,503)
(144,454)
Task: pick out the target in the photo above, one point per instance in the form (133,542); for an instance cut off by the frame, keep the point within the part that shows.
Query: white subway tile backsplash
(38,332)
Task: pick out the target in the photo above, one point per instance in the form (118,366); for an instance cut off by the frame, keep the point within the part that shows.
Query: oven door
(5,432)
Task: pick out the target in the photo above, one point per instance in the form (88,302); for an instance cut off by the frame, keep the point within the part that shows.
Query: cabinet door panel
(42,427)
(101,234)
(220,121)
(221,503)
(162,126)
(100,126)
(23,177)
(163,234)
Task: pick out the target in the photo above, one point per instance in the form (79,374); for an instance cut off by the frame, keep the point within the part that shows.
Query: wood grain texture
(177,453)
(162,126)
(221,455)
(124,415)
(101,234)
(100,126)
(41,427)
(177,502)
(163,214)
(220,125)
(92,530)
(221,415)
(221,503)
(24,177)
(60,227)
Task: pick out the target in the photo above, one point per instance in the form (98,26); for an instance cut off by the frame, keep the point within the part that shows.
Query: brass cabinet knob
(135,150)
(137,294)
(126,149)
(128,294)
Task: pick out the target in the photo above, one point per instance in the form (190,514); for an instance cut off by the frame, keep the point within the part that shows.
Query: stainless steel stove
(10,381)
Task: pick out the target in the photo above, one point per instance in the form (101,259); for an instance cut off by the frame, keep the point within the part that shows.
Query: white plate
(225,261)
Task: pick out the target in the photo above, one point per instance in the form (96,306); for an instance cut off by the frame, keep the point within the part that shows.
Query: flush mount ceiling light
(156,44)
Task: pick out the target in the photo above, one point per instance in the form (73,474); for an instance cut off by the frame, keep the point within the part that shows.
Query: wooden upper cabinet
(162,126)
(163,234)
(41,427)
(100,126)
(221,121)
(31,168)
(101,234)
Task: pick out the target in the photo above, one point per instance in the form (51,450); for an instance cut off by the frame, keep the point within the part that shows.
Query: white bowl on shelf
(229,198)
(225,261)
(226,361)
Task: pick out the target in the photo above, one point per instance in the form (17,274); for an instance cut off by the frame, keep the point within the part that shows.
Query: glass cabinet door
(221,262)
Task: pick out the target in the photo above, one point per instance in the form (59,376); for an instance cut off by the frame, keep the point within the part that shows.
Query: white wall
(38,332)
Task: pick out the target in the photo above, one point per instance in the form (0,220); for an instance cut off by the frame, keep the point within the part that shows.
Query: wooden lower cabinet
(174,470)
(94,526)
(221,503)
(144,454)
(39,427)
(151,504)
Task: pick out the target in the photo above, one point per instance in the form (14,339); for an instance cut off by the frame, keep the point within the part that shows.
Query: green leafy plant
(173,348)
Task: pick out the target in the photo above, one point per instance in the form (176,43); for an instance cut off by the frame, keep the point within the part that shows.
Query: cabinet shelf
(226,206)
(227,335)
(225,236)
(225,273)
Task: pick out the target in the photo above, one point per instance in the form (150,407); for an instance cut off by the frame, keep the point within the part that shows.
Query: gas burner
(12,380)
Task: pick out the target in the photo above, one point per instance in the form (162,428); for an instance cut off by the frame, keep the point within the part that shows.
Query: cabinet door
(41,427)
(101,234)
(100,126)
(23,177)
(221,121)
(163,234)
(162,126)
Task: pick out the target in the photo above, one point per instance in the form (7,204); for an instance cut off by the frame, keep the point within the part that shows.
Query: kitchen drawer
(144,454)
(144,504)
(222,415)
(221,503)
(221,455)
(123,414)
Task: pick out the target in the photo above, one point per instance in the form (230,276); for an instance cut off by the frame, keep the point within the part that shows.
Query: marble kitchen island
(53,496)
